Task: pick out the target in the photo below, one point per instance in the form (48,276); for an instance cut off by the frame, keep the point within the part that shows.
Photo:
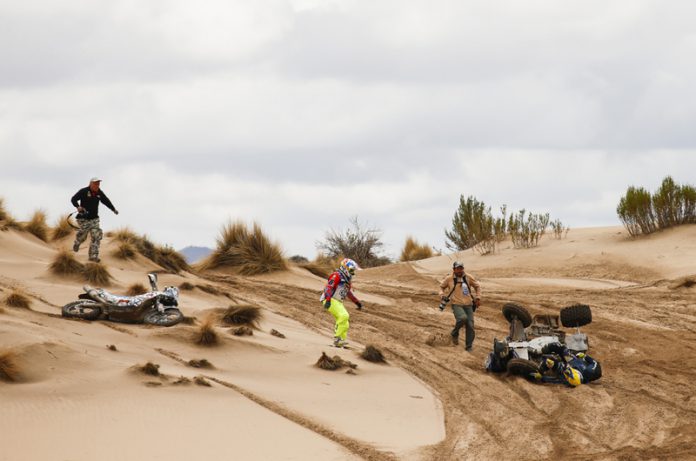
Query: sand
(78,400)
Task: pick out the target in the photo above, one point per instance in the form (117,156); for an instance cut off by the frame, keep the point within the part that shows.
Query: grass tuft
(125,250)
(97,274)
(65,263)
(165,256)
(372,354)
(242,331)
(187,286)
(277,333)
(6,220)
(247,251)
(112,347)
(9,370)
(242,315)
(201,381)
(414,251)
(17,298)
(37,225)
(62,229)
(333,363)
(150,368)
(206,335)
(136,289)
(202,363)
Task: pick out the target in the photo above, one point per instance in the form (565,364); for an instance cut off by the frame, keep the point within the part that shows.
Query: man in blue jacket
(86,200)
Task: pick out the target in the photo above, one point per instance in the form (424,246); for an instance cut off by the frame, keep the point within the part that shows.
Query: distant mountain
(195,254)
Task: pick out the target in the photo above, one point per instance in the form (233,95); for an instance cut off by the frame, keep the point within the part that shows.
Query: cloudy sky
(302,113)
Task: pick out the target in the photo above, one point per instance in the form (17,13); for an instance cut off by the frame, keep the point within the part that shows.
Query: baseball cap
(95,179)
(457,264)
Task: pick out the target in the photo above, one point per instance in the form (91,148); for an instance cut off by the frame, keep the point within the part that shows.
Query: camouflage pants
(91,227)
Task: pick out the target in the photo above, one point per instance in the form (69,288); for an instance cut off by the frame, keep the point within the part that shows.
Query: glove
(550,363)
(115,211)
(327,304)
(359,305)
(580,355)
(444,299)
(536,376)
(477,302)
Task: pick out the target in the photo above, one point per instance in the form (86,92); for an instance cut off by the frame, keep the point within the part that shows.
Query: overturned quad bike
(154,307)
(530,338)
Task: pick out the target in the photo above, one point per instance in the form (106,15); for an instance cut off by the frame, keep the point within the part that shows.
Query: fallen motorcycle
(154,307)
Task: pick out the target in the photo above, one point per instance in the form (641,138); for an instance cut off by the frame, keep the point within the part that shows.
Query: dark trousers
(464,315)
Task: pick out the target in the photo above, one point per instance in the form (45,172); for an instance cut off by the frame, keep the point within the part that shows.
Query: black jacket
(90,202)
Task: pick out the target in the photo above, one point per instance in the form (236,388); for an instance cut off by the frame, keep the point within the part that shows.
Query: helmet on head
(348,268)
(457,265)
(572,376)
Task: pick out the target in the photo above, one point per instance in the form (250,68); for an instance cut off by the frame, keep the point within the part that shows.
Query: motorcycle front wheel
(83,309)
(170,316)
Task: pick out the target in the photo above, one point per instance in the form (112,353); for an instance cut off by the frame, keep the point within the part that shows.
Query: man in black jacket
(86,200)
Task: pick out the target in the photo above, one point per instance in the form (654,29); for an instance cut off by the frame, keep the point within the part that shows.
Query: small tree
(635,211)
(526,231)
(472,226)
(356,242)
(559,230)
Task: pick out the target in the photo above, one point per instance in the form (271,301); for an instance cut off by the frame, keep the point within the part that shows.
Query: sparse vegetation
(62,229)
(333,363)
(9,370)
(6,220)
(136,289)
(165,256)
(210,289)
(526,229)
(246,251)
(37,225)
(65,263)
(201,381)
(112,347)
(413,251)
(322,266)
(125,250)
(182,380)
(96,274)
(356,242)
(277,333)
(559,230)
(372,354)
(671,205)
(187,286)
(242,315)
(473,226)
(17,298)
(202,363)
(206,335)
(151,369)
(242,331)
(298,259)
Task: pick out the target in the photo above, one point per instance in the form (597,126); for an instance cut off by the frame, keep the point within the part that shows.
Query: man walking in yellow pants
(337,289)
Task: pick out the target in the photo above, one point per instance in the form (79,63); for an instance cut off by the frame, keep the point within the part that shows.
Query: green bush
(671,205)
(526,230)
(473,226)
(559,229)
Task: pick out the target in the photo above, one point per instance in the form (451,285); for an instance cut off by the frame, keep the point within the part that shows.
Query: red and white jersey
(338,287)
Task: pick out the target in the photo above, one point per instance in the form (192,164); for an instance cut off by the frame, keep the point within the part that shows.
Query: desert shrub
(356,242)
(61,229)
(151,369)
(414,251)
(97,274)
(201,381)
(372,354)
(671,205)
(162,255)
(37,225)
(65,263)
(322,266)
(200,363)
(206,335)
(298,259)
(136,289)
(526,230)
(333,363)
(473,226)
(210,289)
(242,315)
(187,286)
(17,298)
(124,234)
(247,251)
(6,220)
(125,250)
(277,333)
(242,331)
(559,230)
(112,347)
(9,370)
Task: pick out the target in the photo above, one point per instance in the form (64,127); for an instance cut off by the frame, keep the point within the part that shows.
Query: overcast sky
(302,113)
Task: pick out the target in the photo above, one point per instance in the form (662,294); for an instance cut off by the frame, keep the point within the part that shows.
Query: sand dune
(76,399)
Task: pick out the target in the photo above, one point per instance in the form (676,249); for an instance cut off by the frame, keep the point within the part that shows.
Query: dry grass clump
(372,354)
(438,339)
(165,256)
(333,363)
(242,331)
(136,289)
(247,251)
(6,220)
(62,229)
(684,282)
(125,250)
(243,315)
(206,335)
(17,298)
(202,363)
(277,333)
(9,370)
(182,380)
(201,381)
(37,225)
(97,274)
(413,251)
(187,286)
(210,289)
(149,368)
(112,347)
(65,263)
(189,320)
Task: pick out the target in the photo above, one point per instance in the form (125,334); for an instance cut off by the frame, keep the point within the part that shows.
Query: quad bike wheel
(170,316)
(576,315)
(511,310)
(83,309)
(522,367)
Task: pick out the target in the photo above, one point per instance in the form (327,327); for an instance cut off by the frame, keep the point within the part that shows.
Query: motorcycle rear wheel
(170,316)
(85,309)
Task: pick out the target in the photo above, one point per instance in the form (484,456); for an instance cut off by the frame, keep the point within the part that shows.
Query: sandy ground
(79,401)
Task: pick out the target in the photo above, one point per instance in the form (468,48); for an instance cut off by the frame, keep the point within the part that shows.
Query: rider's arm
(352,297)
(331,285)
